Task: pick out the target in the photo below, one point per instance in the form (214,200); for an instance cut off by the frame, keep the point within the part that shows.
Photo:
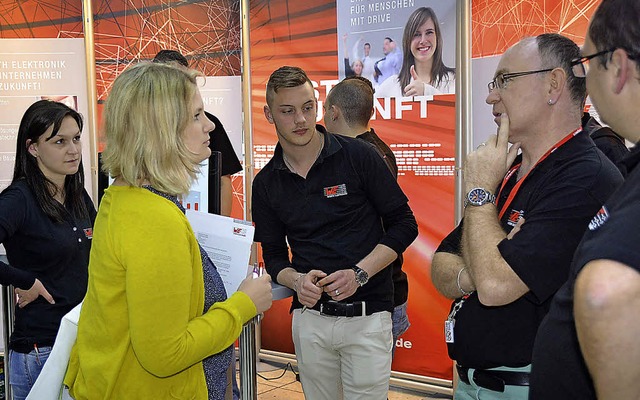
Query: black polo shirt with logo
(557,200)
(332,219)
(559,371)
(56,253)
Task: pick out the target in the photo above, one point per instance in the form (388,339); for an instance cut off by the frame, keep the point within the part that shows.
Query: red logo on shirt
(599,219)
(514,217)
(335,191)
(88,232)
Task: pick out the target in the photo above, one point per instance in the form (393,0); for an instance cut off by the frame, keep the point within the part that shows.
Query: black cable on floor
(288,366)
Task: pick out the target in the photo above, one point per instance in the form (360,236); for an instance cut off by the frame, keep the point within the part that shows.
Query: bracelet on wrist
(295,282)
(464,293)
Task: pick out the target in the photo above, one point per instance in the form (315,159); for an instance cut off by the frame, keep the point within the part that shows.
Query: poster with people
(405,48)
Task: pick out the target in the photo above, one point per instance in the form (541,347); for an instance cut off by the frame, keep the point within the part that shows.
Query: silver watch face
(479,196)
(361,276)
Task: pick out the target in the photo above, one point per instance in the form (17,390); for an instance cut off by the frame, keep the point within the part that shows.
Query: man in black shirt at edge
(598,356)
(327,197)
(348,110)
(523,219)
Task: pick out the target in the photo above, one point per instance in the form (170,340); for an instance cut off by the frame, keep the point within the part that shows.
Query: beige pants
(352,351)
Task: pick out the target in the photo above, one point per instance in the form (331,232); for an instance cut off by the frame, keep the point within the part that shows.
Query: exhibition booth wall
(315,35)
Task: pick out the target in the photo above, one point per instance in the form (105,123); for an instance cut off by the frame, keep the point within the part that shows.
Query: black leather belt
(26,348)
(492,379)
(337,309)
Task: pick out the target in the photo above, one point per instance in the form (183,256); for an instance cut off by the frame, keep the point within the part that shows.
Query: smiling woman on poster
(423,72)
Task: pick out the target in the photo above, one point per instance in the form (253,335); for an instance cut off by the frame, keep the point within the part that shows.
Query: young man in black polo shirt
(598,356)
(504,271)
(327,197)
(348,110)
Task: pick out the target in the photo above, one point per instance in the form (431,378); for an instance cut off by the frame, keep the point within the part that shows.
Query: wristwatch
(362,277)
(479,197)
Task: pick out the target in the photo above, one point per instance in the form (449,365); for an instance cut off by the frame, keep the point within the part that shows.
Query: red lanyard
(515,168)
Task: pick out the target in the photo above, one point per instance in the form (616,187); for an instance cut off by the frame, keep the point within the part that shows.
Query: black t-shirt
(332,219)
(559,371)
(400,281)
(557,201)
(55,253)
(220,142)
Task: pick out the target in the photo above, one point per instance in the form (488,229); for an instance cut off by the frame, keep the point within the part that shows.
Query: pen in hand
(315,282)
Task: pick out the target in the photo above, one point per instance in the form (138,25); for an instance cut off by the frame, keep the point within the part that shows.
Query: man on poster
(328,196)
(524,216)
(587,347)
(367,61)
(390,64)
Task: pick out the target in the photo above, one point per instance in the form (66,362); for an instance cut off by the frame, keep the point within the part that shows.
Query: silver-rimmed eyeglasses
(501,80)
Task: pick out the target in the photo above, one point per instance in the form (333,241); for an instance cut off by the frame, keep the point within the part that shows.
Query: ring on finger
(337,292)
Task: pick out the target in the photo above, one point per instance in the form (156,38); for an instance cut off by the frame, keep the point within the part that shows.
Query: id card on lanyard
(450,323)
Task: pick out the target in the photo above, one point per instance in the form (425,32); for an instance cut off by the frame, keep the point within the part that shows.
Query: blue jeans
(400,321)
(24,370)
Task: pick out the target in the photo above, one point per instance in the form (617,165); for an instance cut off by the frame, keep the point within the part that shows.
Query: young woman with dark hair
(46,226)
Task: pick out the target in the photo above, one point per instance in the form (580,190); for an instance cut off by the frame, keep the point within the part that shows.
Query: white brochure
(228,243)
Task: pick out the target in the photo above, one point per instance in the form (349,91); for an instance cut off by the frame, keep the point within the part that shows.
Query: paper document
(228,243)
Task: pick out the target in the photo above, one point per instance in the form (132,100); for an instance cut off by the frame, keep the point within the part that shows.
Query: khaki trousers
(354,352)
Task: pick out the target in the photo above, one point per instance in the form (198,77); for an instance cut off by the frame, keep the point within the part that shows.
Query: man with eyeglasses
(587,347)
(523,219)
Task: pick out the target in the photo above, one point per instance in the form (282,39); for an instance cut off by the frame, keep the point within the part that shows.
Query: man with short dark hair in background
(219,142)
(348,111)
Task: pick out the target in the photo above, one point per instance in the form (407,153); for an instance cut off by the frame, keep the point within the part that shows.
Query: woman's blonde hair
(147,110)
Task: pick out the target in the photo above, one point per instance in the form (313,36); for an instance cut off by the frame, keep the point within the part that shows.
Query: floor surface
(275,383)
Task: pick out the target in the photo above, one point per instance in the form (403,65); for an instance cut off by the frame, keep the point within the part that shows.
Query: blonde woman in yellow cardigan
(155,306)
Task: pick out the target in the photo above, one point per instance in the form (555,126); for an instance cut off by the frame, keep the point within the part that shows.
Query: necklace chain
(288,163)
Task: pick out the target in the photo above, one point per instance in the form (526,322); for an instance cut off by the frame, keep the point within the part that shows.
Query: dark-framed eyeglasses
(580,66)
(501,80)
